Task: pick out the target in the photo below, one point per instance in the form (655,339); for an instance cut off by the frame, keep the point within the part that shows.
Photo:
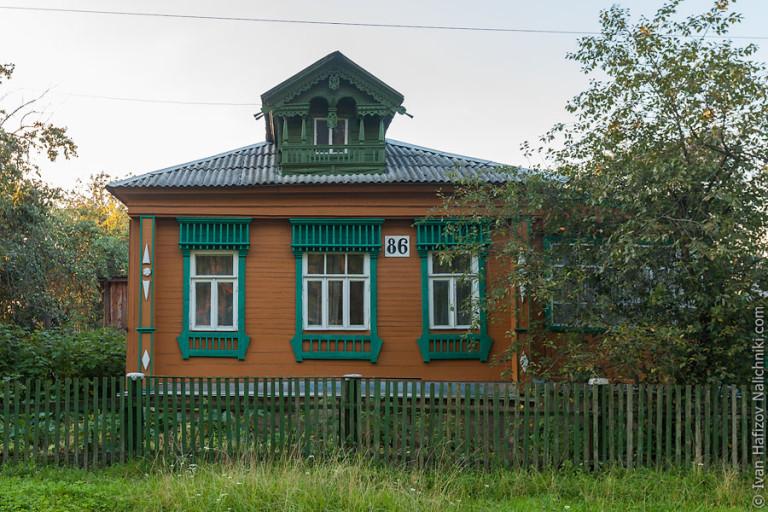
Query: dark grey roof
(254,166)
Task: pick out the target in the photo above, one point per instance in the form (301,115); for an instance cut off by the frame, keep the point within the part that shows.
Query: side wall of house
(270,302)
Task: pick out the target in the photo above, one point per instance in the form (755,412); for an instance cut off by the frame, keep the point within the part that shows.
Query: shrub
(60,353)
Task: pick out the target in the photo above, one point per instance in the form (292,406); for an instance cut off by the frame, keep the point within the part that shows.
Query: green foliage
(656,209)
(59,353)
(359,485)
(55,247)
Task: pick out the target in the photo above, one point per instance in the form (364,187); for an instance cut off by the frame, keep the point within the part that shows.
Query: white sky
(479,94)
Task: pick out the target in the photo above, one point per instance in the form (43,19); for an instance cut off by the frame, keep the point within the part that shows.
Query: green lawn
(304,486)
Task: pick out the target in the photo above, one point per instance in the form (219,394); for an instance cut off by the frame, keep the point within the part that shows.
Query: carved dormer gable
(331,117)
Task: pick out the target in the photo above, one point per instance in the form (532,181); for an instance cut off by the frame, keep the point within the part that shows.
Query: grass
(360,486)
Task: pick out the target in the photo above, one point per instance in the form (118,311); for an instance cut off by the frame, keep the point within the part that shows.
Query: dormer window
(326,136)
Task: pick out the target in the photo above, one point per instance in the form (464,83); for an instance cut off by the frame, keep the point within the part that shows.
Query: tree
(55,246)
(648,249)
(27,252)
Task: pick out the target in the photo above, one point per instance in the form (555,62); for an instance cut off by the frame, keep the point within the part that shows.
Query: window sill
(231,344)
(361,347)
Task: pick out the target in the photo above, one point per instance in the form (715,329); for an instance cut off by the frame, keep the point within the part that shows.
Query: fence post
(132,417)
(596,426)
(350,407)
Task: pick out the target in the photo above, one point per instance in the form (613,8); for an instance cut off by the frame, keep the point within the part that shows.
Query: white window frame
(330,133)
(453,279)
(214,280)
(346,279)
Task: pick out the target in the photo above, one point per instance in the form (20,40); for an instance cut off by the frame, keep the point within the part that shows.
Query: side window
(214,251)
(213,281)
(453,321)
(453,291)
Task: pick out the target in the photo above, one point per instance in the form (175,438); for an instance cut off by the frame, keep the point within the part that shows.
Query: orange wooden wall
(270,285)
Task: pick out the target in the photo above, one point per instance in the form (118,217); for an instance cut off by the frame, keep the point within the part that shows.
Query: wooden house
(307,254)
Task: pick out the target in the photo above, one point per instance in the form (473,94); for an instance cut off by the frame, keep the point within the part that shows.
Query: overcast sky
(132,90)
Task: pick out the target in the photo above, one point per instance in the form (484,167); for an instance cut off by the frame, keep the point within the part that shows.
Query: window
(453,320)
(336,291)
(213,253)
(326,136)
(453,291)
(213,279)
(336,288)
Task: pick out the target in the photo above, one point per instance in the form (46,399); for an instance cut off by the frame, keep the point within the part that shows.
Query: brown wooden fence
(98,422)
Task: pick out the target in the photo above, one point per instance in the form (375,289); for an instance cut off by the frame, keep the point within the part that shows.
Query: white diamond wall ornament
(145,360)
(145,260)
(524,362)
(145,284)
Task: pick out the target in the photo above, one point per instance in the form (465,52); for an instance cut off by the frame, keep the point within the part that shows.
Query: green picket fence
(102,421)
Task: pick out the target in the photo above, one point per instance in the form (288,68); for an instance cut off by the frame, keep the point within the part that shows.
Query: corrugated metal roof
(254,166)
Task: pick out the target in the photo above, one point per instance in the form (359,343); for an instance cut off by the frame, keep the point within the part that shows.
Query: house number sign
(397,246)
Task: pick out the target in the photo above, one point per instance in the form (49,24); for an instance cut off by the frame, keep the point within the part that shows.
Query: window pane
(214,265)
(458,264)
(202,304)
(357,302)
(463,303)
(314,303)
(339,133)
(356,264)
(226,304)
(315,263)
(335,303)
(335,263)
(440,303)
(321,132)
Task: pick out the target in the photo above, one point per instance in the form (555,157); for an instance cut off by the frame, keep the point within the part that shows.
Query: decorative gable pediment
(331,117)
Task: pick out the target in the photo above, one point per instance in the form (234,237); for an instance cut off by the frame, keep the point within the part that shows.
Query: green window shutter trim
(336,235)
(214,234)
(197,233)
(434,234)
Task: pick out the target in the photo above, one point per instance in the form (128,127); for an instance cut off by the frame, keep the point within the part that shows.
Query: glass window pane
(355,264)
(314,303)
(315,263)
(214,265)
(464,302)
(335,263)
(321,132)
(357,303)
(440,303)
(456,264)
(335,303)
(339,133)
(226,304)
(202,304)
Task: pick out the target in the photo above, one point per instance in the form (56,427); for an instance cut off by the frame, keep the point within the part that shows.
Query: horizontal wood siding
(270,284)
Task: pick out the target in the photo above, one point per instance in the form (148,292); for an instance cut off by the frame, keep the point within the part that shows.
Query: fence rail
(102,421)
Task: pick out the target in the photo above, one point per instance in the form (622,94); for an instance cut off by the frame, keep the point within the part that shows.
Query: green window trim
(336,235)
(432,235)
(214,234)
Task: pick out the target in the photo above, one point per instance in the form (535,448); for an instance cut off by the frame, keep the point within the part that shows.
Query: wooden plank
(621,427)
(567,417)
(725,423)
(629,430)
(104,419)
(76,421)
(185,423)
(498,427)
(586,419)
(744,427)
(96,423)
(34,421)
(699,460)
(526,421)
(118,416)
(577,422)
(604,435)
(659,431)
(546,452)
(595,426)
(48,419)
(6,420)
(640,427)
(678,425)
(611,421)
(689,426)
(667,396)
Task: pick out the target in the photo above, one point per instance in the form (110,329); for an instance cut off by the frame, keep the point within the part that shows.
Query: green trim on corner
(151,329)
(214,233)
(431,235)
(336,235)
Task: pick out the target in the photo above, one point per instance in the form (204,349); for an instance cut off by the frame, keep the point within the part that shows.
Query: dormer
(331,117)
